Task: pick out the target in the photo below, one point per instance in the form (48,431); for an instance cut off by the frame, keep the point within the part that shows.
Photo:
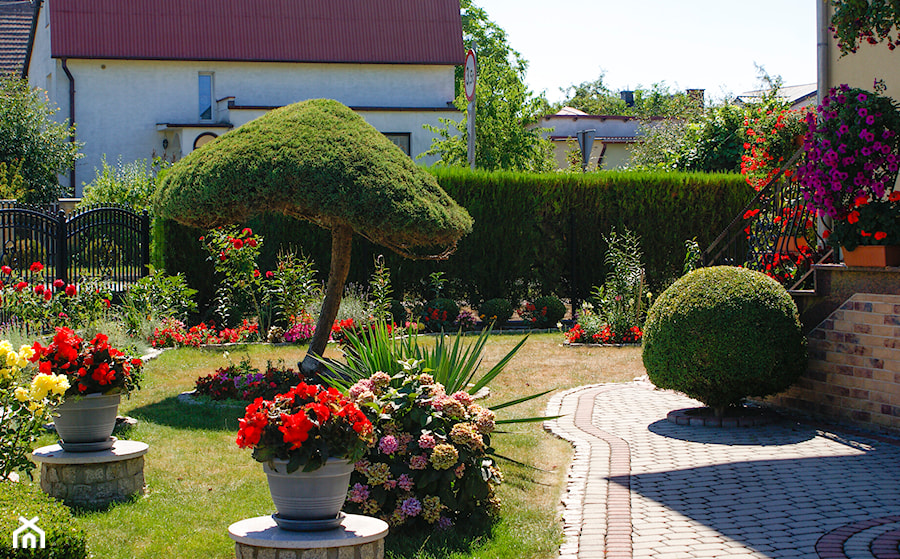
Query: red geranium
(306,425)
(91,367)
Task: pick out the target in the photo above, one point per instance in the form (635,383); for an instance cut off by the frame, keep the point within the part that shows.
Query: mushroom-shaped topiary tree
(316,160)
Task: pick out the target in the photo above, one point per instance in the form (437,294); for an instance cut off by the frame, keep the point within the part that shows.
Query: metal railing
(776,233)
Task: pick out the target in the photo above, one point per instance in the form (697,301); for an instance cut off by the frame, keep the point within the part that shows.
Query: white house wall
(119,103)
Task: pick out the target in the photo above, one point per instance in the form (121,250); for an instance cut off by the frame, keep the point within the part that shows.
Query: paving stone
(767,491)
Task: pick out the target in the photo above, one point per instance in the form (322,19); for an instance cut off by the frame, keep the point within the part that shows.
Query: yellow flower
(5,347)
(41,385)
(5,373)
(35,407)
(11,358)
(26,352)
(22,394)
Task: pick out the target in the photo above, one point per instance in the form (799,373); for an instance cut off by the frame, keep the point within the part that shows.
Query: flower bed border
(578,344)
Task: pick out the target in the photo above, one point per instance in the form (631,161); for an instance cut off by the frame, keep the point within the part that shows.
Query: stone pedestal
(358,537)
(92,479)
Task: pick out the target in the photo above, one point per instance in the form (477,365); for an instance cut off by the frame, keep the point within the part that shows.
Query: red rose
(270,274)
(48,295)
(21,285)
(6,270)
(247,232)
(36,267)
(58,283)
(71,290)
(39,288)
(238,244)
(251,242)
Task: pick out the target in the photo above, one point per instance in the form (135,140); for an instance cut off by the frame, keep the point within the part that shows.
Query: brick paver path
(640,486)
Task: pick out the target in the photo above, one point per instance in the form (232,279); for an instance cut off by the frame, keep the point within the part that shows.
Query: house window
(401,139)
(206,96)
(204,139)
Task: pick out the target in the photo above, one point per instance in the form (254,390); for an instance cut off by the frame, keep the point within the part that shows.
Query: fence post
(145,243)
(62,256)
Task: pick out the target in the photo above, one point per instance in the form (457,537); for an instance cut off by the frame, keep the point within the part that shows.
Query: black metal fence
(105,243)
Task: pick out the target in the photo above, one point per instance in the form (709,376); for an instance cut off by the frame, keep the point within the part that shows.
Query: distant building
(799,96)
(15,25)
(165,77)
(614,134)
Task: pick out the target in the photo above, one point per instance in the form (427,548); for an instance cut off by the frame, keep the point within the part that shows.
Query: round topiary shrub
(438,315)
(398,313)
(722,334)
(497,311)
(545,312)
(63,539)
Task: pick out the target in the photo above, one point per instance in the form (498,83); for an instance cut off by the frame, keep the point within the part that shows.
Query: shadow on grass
(424,544)
(172,413)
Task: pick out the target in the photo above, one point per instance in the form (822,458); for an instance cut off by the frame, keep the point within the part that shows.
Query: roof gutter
(822,70)
(31,34)
(69,75)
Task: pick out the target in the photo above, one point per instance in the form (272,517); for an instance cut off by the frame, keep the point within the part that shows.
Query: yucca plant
(452,363)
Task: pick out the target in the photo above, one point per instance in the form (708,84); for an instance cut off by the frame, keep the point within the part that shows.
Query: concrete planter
(85,424)
(308,501)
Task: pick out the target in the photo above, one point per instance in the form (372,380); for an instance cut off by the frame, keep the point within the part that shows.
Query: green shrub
(63,539)
(545,312)
(721,334)
(438,315)
(495,310)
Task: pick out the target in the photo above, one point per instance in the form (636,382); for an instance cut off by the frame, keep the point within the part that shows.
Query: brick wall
(854,365)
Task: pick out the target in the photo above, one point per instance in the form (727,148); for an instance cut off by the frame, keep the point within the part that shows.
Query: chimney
(697,95)
(628,97)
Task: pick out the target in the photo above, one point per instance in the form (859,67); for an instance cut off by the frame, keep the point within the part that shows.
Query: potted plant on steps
(852,159)
(98,374)
(870,233)
(308,440)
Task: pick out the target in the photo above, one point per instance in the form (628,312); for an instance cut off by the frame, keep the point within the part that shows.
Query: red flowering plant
(306,426)
(870,222)
(38,306)
(173,333)
(772,132)
(243,381)
(91,367)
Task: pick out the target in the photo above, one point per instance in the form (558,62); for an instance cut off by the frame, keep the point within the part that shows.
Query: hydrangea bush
(430,464)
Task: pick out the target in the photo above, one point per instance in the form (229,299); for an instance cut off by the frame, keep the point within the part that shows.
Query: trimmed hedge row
(534,234)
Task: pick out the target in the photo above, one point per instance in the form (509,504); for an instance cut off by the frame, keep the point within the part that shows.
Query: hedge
(534,234)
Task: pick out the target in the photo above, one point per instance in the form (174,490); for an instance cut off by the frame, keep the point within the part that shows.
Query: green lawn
(199,481)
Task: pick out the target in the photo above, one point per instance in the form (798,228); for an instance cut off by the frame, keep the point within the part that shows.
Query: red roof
(361,31)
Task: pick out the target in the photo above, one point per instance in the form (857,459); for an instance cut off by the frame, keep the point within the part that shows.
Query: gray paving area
(641,486)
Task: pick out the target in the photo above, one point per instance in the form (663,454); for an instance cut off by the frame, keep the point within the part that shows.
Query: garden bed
(196,475)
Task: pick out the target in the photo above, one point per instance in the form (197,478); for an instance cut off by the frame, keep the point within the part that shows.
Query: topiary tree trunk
(341,247)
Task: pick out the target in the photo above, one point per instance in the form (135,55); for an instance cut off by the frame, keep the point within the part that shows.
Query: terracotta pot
(308,500)
(874,256)
(792,245)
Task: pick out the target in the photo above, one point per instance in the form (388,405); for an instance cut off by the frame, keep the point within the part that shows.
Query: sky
(688,44)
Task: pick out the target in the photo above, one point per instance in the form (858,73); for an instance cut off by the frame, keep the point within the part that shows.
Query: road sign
(470,75)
